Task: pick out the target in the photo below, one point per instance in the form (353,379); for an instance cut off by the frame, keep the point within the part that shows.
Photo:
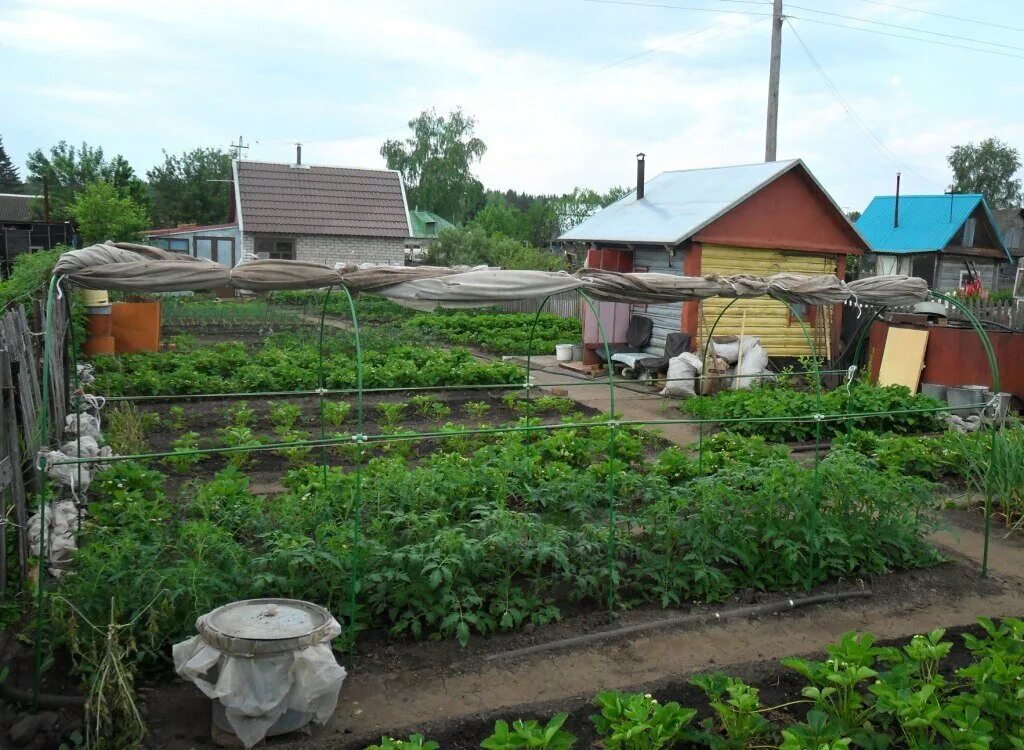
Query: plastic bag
(682,375)
(256,692)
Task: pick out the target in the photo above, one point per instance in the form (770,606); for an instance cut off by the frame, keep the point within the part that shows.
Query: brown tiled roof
(281,198)
(16,208)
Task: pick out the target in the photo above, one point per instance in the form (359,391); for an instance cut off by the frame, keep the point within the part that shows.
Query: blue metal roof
(677,205)
(925,222)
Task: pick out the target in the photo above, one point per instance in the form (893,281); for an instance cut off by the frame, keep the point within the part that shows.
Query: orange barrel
(99,345)
(97,320)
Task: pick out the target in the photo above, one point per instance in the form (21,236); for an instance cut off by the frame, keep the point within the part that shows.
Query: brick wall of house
(329,250)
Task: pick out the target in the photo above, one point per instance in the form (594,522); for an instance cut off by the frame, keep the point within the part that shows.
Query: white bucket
(563,352)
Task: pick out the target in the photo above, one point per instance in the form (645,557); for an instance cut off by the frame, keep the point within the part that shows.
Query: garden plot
(469,542)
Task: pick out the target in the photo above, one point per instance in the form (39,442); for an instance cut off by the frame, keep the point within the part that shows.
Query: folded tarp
(138,268)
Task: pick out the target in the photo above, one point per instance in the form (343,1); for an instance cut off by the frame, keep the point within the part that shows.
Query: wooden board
(903,357)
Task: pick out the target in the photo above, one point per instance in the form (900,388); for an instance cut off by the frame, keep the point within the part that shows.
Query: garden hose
(772,608)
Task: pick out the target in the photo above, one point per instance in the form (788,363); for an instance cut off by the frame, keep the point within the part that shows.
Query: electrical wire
(943,15)
(905,36)
(883,149)
(906,28)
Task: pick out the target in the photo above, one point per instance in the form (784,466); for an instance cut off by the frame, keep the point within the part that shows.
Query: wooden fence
(21,402)
(1003,312)
(564,305)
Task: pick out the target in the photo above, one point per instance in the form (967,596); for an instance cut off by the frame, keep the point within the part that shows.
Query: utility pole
(237,148)
(772,132)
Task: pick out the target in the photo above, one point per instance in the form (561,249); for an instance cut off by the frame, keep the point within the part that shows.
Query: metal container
(258,628)
(934,390)
(967,400)
(1001,407)
(577,352)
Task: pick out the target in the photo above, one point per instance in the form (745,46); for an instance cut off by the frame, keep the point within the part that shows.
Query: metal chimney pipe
(298,154)
(640,176)
(896,207)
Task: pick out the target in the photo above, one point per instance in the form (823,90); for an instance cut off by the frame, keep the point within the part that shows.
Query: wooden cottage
(947,240)
(755,219)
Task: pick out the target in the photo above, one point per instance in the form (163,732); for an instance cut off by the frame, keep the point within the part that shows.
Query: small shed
(943,239)
(756,219)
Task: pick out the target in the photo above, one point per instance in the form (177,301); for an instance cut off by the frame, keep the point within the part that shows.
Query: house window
(174,244)
(218,249)
(275,248)
(798,311)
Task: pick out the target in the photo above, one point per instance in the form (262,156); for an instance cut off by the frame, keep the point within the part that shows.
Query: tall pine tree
(10,182)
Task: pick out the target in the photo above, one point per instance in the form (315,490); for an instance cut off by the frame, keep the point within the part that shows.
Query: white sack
(76,477)
(630,359)
(256,692)
(89,447)
(61,523)
(682,375)
(730,350)
(753,365)
(84,424)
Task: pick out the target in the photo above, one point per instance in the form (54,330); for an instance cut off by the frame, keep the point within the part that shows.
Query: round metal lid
(254,627)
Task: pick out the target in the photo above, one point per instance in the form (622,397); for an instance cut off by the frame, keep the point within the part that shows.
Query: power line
(943,15)
(907,28)
(882,148)
(904,36)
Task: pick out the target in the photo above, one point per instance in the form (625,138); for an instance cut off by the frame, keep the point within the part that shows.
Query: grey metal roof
(16,208)
(676,205)
(281,198)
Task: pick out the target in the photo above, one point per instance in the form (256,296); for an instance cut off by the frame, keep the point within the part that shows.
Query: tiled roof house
(321,214)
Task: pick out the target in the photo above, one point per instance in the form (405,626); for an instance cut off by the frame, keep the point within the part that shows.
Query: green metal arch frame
(613,423)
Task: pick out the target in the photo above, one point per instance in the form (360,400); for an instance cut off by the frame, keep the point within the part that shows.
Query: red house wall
(789,214)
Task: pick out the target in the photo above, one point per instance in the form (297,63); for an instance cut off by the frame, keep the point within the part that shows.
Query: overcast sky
(565,91)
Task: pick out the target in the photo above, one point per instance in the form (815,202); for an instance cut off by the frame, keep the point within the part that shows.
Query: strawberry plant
(523,735)
(184,458)
(284,416)
(240,414)
(639,722)
(336,412)
(477,409)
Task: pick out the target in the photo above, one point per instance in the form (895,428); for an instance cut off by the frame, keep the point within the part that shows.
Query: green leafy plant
(391,414)
(239,438)
(284,416)
(638,722)
(336,412)
(415,742)
(477,409)
(296,455)
(530,734)
(240,414)
(183,447)
(178,420)
(504,333)
(738,722)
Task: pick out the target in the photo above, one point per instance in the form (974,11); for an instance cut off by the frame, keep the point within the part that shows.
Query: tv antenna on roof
(238,147)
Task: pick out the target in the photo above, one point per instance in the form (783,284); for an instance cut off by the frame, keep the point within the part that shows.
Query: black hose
(772,608)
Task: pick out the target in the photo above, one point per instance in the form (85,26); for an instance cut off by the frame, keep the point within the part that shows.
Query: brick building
(320,214)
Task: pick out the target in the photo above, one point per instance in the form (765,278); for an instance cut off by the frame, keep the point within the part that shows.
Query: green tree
(987,168)
(436,164)
(68,170)
(582,203)
(190,188)
(473,246)
(499,218)
(10,182)
(103,213)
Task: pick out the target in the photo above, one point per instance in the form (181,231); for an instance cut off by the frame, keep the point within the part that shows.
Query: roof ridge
(317,166)
(787,162)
